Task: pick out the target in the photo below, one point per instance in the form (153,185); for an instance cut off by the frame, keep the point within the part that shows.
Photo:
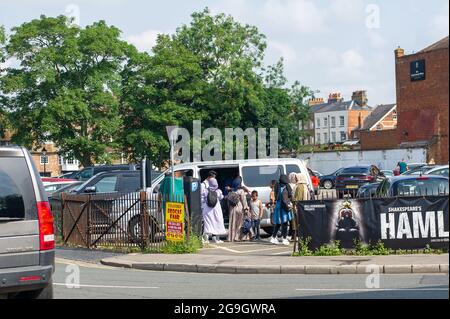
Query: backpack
(233,199)
(212,199)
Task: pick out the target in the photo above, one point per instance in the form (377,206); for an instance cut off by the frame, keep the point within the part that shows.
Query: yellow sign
(174,221)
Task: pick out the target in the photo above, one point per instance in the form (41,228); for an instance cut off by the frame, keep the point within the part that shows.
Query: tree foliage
(92,93)
(67,88)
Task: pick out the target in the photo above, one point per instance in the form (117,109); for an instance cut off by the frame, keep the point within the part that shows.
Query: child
(256,211)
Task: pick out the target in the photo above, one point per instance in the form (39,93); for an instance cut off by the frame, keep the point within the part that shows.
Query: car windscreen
(355,170)
(17,199)
(421,187)
(261,176)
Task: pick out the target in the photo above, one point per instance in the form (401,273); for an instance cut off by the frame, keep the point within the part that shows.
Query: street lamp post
(170,133)
(44,152)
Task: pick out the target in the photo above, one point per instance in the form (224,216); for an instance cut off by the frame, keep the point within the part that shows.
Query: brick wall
(354,120)
(378,140)
(423,106)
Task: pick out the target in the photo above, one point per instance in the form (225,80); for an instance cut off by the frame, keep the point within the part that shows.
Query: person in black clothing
(347,229)
(283,210)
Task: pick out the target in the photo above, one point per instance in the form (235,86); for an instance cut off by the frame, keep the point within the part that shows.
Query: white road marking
(370,290)
(248,251)
(108,287)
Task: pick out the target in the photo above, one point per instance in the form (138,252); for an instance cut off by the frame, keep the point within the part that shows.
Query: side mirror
(90,190)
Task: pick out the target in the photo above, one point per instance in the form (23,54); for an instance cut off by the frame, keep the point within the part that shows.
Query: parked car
(328,181)
(387,172)
(49,180)
(53,187)
(351,179)
(89,172)
(368,190)
(27,242)
(440,170)
(69,175)
(420,170)
(414,166)
(413,186)
(317,173)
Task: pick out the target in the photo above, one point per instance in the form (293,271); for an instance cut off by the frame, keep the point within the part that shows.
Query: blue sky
(328,45)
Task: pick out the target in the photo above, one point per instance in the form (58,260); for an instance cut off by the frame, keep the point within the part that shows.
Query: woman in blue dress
(282,215)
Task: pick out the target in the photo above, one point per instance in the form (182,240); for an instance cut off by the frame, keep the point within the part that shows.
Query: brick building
(423,99)
(335,121)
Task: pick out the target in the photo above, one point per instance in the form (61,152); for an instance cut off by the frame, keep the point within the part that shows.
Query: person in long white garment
(213,223)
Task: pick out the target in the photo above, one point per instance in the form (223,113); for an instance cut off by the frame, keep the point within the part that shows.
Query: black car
(328,181)
(89,172)
(404,186)
(351,179)
(368,190)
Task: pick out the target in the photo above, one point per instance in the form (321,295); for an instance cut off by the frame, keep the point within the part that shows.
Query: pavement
(263,258)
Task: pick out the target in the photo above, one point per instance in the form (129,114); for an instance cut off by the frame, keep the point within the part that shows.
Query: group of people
(246,210)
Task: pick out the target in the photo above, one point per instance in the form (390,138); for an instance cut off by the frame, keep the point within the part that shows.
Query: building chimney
(334,97)
(399,52)
(360,97)
(316,101)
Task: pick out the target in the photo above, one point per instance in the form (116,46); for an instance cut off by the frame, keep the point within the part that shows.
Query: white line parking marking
(108,287)
(369,290)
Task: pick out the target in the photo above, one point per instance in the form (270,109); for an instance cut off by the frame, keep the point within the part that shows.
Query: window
(292,169)
(333,137)
(325,138)
(394,117)
(325,122)
(379,127)
(106,185)
(341,121)
(333,122)
(318,138)
(44,159)
(70,161)
(343,136)
(318,123)
(60,160)
(261,176)
(16,190)
(434,187)
(129,183)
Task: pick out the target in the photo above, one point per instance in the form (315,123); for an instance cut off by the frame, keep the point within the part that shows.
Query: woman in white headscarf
(213,224)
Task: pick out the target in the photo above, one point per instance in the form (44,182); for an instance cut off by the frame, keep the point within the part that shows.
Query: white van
(256,175)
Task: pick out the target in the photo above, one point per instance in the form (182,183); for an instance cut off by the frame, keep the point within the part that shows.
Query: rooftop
(441,44)
(377,115)
(338,106)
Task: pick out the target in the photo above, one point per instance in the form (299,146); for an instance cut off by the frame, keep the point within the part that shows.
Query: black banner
(400,223)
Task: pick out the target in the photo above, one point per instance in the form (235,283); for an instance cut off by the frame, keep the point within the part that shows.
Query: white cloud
(145,41)
(320,56)
(350,69)
(376,40)
(349,11)
(301,16)
(286,51)
(439,24)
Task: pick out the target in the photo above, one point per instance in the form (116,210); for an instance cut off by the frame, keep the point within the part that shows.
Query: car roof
(237,162)
(413,177)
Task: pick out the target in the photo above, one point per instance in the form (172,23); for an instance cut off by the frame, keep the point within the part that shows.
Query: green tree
(67,88)
(159,90)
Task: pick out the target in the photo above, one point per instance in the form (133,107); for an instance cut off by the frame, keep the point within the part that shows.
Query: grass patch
(360,249)
(190,246)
